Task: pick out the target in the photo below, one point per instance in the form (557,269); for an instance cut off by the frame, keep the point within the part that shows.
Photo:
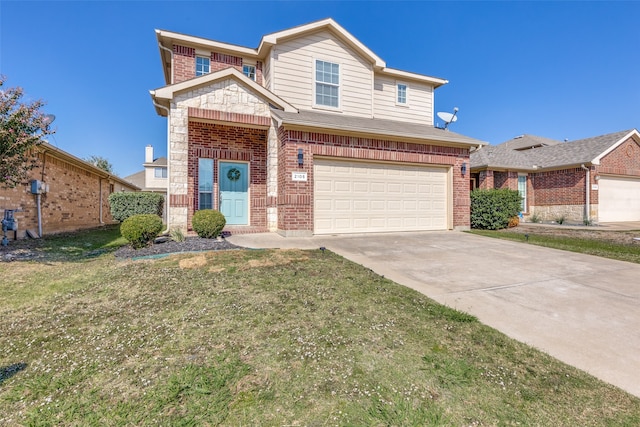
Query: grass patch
(602,247)
(269,337)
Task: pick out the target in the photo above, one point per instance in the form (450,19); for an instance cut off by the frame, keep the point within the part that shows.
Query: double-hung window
(327,84)
(249,71)
(401,94)
(205,183)
(203,65)
(160,172)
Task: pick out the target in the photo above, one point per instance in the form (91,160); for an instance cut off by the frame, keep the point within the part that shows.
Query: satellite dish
(48,119)
(448,117)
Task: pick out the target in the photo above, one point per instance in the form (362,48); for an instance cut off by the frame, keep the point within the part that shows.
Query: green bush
(492,209)
(124,205)
(208,223)
(140,230)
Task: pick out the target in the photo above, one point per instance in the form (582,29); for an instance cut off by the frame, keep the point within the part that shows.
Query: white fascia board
(328,23)
(169,36)
(414,76)
(169,92)
(596,161)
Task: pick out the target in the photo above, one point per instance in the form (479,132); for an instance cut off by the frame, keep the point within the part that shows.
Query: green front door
(234,192)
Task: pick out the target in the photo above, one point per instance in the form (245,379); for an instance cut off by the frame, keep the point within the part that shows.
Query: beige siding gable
(293,72)
(419,106)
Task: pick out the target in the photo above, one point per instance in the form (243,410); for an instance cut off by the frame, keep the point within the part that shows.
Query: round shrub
(208,223)
(140,230)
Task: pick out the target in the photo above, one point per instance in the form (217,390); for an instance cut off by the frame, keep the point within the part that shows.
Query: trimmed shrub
(140,230)
(492,209)
(124,205)
(208,223)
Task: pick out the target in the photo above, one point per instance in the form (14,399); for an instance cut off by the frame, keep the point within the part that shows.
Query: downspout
(587,206)
(100,192)
(168,198)
(170,54)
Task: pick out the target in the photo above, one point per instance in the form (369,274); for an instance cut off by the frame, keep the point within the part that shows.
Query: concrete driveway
(581,309)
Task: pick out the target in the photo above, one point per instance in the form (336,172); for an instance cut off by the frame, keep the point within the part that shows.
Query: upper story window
(327,83)
(249,71)
(401,94)
(160,172)
(203,65)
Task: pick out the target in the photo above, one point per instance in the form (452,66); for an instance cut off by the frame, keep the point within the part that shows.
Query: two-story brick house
(309,133)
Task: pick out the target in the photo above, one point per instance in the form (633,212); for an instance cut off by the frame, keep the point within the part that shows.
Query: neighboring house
(588,180)
(74,195)
(309,133)
(153,178)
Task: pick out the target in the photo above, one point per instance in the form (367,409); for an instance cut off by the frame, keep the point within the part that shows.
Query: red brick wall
(72,203)
(295,199)
(485,180)
(184,63)
(561,187)
(219,142)
(624,160)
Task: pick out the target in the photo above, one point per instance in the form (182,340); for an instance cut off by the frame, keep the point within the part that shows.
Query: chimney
(148,154)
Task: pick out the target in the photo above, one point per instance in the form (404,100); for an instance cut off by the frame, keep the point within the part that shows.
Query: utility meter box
(37,187)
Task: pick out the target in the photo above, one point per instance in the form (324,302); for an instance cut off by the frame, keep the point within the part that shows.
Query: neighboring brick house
(309,133)
(74,195)
(153,178)
(588,180)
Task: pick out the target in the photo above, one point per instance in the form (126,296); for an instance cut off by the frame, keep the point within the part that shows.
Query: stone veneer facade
(223,102)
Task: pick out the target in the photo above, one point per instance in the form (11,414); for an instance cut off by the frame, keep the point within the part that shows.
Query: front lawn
(620,245)
(266,337)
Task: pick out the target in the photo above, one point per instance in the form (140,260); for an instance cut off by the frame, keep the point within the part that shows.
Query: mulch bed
(191,244)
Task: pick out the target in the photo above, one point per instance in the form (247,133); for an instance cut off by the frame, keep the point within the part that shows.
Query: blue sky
(554,69)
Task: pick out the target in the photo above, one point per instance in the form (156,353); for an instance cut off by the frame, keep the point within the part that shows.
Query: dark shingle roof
(524,142)
(136,179)
(382,127)
(551,156)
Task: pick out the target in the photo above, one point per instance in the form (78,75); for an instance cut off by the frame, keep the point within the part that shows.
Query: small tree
(22,127)
(100,163)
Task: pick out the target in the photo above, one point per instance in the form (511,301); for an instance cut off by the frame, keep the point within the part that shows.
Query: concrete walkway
(581,309)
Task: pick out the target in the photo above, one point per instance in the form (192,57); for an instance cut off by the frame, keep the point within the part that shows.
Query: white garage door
(358,197)
(618,199)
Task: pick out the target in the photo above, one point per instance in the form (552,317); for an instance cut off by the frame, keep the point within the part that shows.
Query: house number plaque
(298,176)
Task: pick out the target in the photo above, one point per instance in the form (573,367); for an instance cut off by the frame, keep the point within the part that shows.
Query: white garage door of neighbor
(618,199)
(359,197)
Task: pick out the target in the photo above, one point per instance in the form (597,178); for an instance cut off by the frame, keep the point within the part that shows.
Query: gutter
(171,55)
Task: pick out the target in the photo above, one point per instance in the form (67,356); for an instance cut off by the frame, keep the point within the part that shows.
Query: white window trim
(314,81)
(213,182)
(406,94)
(255,71)
(160,168)
(525,208)
(196,65)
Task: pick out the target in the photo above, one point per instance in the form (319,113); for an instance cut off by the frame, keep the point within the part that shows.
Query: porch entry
(234,192)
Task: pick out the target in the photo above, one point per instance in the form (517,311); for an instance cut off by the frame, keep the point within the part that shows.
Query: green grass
(593,246)
(268,337)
